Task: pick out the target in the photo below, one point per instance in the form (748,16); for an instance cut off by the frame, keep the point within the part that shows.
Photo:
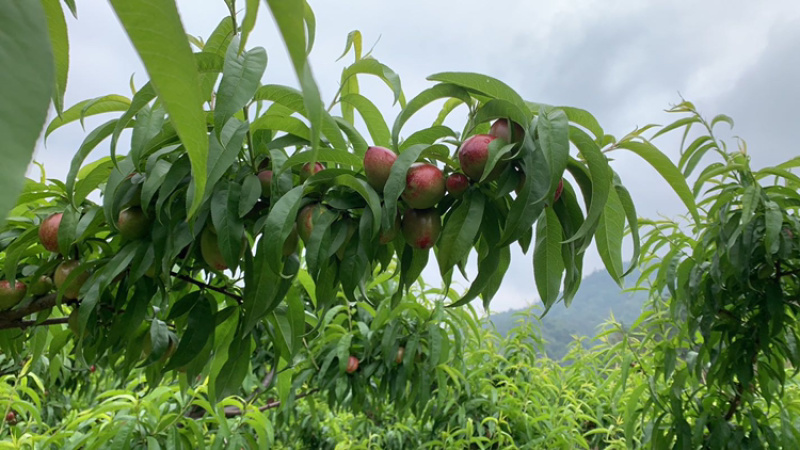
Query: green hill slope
(597,299)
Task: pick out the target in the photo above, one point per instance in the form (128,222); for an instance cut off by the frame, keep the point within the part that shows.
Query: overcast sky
(625,61)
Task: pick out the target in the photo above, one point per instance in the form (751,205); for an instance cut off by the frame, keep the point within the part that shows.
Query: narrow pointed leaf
(59,43)
(157,33)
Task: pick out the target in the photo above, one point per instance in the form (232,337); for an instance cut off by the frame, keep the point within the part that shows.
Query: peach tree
(244,229)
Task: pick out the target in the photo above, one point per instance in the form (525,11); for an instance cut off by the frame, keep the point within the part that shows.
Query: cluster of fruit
(425,186)
(70,275)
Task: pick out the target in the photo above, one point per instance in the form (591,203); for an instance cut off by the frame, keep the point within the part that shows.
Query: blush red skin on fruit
(306,171)
(11,296)
(425,186)
(265,178)
(48,232)
(352,365)
(305,220)
(457,184)
(559,190)
(473,155)
(378,163)
(421,228)
(500,129)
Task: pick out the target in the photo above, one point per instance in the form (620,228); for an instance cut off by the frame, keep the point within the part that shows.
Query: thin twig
(232,411)
(203,285)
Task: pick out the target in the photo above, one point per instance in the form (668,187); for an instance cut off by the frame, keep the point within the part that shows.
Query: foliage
(205,303)
(207,279)
(724,298)
(598,300)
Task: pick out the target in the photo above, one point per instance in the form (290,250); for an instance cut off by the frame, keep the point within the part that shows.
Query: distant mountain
(597,299)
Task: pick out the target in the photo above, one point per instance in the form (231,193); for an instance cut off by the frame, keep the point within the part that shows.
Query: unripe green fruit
(425,186)
(63,271)
(42,286)
(209,248)
(48,232)
(421,227)
(10,296)
(378,163)
(133,224)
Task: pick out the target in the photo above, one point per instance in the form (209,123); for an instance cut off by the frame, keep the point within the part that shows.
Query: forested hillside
(598,298)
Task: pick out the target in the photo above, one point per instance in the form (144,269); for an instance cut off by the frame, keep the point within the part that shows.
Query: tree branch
(33,323)
(203,285)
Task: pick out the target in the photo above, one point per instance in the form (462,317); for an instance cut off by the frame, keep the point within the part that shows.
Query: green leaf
(279,225)
(601,176)
(496,108)
(216,45)
(773,218)
(530,201)
(343,351)
(668,171)
(223,151)
(251,192)
(155,29)
(548,264)
(585,119)
(553,129)
(142,97)
(26,84)
(249,21)
(632,405)
(372,118)
(289,15)
(354,42)
(335,156)
(89,180)
(608,236)
(485,85)
(232,374)
(721,118)
(677,124)
(229,226)
(240,79)
(396,182)
(443,90)
(59,44)
(428,136)
(195,336)
(373,67)
(633,224)
(368,194)
(460,230)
